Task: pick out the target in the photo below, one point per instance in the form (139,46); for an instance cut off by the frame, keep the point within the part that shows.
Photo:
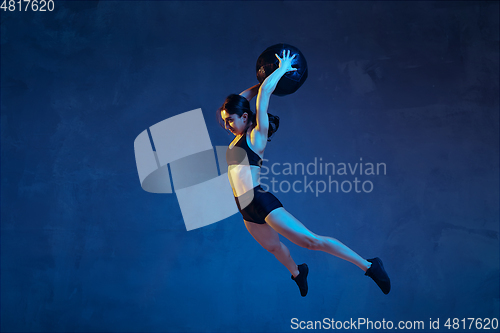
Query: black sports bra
(236,156)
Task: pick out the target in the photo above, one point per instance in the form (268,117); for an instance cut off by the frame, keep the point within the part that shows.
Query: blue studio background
(413,85)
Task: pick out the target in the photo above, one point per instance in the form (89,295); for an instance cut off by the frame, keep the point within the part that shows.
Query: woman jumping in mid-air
(263,214)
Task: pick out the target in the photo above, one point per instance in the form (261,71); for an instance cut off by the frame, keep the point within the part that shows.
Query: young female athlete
(263,214)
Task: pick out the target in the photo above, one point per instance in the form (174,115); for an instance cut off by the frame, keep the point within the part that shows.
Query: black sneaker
(378,274)
(301,279)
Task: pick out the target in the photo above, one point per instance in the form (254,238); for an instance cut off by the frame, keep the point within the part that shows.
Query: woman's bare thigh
(288,226)
(266,236)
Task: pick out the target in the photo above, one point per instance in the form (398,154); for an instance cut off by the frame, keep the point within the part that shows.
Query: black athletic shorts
(259,207)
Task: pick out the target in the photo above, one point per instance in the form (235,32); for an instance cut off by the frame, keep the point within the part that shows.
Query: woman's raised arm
(250,92)
(266,89)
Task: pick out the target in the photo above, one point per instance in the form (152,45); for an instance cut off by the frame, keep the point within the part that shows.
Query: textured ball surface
(268,63)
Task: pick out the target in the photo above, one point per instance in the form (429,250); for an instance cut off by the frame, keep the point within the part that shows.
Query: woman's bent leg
(291,228)
(268,238)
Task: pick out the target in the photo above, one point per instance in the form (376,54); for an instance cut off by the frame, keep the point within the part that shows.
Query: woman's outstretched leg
(269,239)
(288,226)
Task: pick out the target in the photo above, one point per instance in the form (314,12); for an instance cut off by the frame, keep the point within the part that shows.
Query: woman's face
(233,122)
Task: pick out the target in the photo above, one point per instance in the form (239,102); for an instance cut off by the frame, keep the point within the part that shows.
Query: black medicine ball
(268,63)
